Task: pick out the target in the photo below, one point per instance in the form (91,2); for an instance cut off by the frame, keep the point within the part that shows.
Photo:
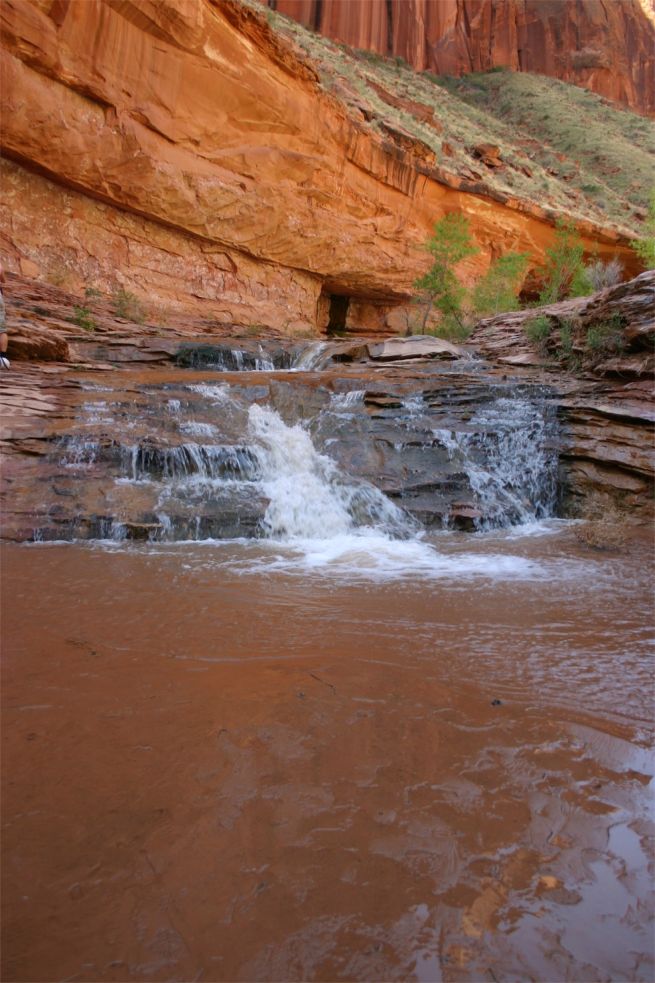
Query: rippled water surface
(364,757)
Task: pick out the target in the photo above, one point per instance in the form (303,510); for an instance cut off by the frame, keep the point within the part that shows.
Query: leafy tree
(563,266)
(498,289)
(645,248)
(449,245)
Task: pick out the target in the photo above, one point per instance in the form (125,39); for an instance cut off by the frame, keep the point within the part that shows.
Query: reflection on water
(277,721)
(358,758)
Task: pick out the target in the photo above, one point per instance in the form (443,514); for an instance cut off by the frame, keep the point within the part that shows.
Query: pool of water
(360,757)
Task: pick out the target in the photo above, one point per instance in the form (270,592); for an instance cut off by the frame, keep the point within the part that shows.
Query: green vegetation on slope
(612,149)
(560,146)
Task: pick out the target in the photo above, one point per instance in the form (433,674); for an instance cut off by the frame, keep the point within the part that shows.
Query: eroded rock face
(607,416)
(628,308)
(606,47)
(183,152)
(448,439)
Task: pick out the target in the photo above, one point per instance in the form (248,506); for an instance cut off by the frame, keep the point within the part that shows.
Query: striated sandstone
(609,418)
(608,47)
(184,152)
(607,421)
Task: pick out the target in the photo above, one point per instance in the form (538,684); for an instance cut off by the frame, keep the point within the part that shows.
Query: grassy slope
(611,149)
(562,147)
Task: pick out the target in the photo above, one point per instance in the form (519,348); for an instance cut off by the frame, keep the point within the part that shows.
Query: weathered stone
(418,346)
(606,47)
(489,154)
(630,304)
(152,179)
(35,344)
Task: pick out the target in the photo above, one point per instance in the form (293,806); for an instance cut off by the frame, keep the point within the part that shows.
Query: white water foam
(311,357)
(309,498)
(197,429)
(375,556)
(320,520)
(510,460)
(219,393)
(345,401)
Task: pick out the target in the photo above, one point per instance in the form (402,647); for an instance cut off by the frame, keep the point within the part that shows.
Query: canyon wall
(607,46)
(183,151)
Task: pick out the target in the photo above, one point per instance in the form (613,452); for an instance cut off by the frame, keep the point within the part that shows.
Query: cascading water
(222,359)
(510,459)
(291,460)
(312,357)
(309,498)
(341,402)
(177,463)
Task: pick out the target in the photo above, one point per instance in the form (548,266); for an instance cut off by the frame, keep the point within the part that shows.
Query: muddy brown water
(224,763)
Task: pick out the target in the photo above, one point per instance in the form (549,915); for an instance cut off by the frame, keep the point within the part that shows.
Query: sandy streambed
(224,764)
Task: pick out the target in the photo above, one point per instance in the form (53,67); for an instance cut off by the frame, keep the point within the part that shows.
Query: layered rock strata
(187,154)
(606,47)
(609,416)
(400,413)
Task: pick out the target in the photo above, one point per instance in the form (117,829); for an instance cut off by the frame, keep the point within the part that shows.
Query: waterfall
(308,496)
(312,357)
(222,359)
(217,461)
(509,456)
(143,461)
(346,401)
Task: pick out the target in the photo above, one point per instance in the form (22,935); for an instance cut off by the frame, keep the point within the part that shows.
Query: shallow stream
(272,717)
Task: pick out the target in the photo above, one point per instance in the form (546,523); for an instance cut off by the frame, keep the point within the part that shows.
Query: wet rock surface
(144,434)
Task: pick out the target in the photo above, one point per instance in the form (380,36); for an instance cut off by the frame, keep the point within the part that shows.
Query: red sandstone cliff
(605,45)
(185,152)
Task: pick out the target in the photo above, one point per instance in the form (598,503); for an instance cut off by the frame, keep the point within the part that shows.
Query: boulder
(489,154)
(35,344)
(417,346)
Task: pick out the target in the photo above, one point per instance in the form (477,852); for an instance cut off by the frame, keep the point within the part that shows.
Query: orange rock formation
(182,151)
(605,45)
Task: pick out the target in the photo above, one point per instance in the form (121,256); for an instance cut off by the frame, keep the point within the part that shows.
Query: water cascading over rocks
(309,498)
(306,455)
(510,459)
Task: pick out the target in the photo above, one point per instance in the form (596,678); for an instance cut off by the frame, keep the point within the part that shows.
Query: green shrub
(450,329)
(605,337)
(538,330)
(82,318)
(563,263)
(645,248)
(566,339)
(498,289)
(440,286)
(127,305)
(92,293)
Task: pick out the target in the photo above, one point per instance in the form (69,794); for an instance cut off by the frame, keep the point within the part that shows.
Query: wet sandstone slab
(210,775)
(59,372)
